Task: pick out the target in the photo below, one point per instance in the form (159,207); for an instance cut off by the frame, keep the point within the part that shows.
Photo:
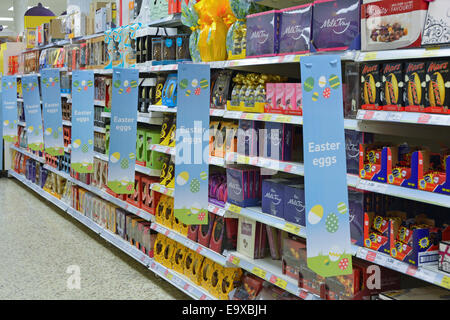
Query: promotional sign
(1,132)
(82,154)
(51,102)
(192,147)
(9,108)
(122,159)
(327,214)
(33,114)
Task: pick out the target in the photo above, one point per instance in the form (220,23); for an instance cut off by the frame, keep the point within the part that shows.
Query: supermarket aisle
(38,242)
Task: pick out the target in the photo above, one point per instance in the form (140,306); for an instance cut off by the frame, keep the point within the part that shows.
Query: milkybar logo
(415,67)
(392,67)
(369,69)
(437,66)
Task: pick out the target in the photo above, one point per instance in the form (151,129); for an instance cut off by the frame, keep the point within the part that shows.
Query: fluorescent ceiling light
(6,19)
(29,7)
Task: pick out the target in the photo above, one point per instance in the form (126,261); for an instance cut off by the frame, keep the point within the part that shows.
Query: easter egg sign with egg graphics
(51,108)
(9,108)
(122,153)
(192,139)
(82,154)
(33,114)
(326,197)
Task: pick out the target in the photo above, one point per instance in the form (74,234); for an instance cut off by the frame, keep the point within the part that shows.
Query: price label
(430,52)
(243,159)
(199,249)
(234,208)
(284,119)
(438,120)
(395,116)
(249,116)
(424,118)
(166,233)
(369,115)
(254,161)
(259,272)
(445,282)
(186,286)
(411,270)
(371,256)
(234,260)
(289,227)
(156,187)
(303,294)
(260,116)
(288,168)
(169,275)
(280,283)
(233,114)
(370,56)
(361,114)
(203,297)
(267,117)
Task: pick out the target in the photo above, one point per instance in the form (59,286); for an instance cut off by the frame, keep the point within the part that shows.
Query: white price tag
(233,114)
(361,114)
(426,275)
(371,186)
(395,116)
(438,119)
(380,115)
(362,253)
(381,259)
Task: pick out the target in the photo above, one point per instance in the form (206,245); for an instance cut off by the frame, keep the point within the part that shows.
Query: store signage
(122,146)
(33,114)
(82,154)
(192,134)
(327,214)
(9,108)
(51,108)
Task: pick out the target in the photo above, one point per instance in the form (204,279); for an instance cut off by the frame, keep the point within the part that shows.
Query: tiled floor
(39,242)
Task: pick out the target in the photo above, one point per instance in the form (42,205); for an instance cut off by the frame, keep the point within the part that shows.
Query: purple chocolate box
(356,216)
(273,197)
(352,141)
(277,144)
(336,25)
(263,33)
(295,29)
(248,134)
(294,204)
(237,186)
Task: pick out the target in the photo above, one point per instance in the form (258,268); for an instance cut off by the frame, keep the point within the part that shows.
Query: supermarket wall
(395,106)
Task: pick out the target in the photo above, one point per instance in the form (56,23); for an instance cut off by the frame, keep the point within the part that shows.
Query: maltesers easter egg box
(336,25)
(392,24)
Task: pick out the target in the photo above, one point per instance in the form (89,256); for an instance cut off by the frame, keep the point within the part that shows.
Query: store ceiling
(56,6)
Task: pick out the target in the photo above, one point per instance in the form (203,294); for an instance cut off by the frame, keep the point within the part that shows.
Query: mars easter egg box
(437,86)
(391,94)
(414,89)
(370,86)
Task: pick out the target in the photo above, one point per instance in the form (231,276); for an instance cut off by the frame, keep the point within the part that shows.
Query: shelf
(401,192)
(206,252)
(403,54)
(28,154)
(281,118)
(158,68)
(162,189)
(256,214)
(149,119)
(404,117)
(271,271)
(156,108)
(173,20)
(181,282)
(101,156)
(216,161)
(99,103)
(60,204)
(289,167)
(220,211)
(162,149)
(99,129)
(147,171)
(429,274)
